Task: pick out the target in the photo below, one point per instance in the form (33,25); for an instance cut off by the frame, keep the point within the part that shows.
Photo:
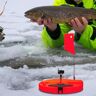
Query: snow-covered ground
(23,39)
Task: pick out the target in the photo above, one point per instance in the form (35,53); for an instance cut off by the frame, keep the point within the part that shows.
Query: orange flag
(69,43)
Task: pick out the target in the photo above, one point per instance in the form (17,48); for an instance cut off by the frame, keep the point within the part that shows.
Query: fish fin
(43,16)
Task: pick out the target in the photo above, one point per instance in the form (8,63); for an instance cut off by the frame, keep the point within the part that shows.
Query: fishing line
(74,69)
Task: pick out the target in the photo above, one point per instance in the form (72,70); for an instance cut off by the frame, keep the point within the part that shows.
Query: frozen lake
(23,46)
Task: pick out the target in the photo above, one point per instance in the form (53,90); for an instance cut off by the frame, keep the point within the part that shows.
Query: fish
(60,14)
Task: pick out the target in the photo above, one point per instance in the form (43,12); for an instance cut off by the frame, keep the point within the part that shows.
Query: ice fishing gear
(61,85)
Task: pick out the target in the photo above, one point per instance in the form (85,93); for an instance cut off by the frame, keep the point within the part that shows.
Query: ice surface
(23,39)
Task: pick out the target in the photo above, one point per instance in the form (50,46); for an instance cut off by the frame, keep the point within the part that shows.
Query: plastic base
(66,86)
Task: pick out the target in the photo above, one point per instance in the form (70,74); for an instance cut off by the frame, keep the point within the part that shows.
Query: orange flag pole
(69,47)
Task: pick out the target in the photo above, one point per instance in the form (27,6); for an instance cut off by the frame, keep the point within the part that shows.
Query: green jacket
(85,38)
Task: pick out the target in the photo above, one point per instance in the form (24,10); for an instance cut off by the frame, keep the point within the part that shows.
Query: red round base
(66,86)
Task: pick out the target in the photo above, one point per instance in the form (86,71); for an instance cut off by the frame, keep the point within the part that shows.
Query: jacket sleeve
(58,2)
(86,39)
(52,43)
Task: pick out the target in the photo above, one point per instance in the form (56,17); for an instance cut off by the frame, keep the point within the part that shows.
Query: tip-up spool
(67,86)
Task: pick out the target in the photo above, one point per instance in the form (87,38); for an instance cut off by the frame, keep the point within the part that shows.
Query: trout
(60,14)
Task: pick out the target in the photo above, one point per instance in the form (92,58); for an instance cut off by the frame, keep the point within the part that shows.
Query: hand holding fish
(75,23)
(79,26)
(47,22)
